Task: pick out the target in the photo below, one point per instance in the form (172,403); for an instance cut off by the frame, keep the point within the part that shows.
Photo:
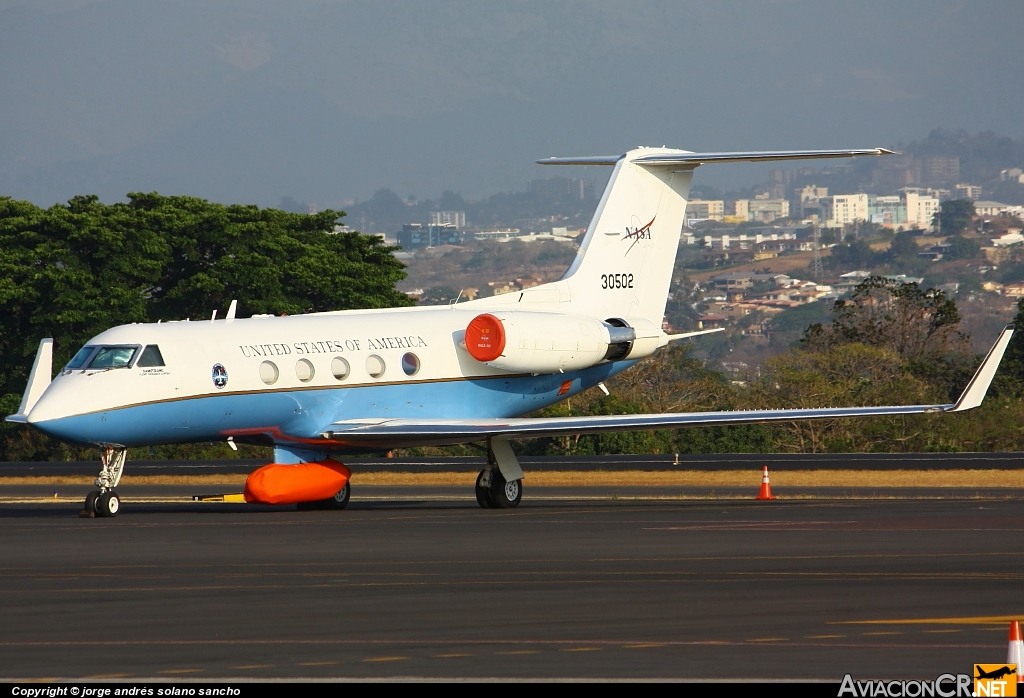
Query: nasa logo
(220,375)
(637,234)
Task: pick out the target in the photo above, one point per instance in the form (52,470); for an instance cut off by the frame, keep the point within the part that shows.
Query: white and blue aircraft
(358,381)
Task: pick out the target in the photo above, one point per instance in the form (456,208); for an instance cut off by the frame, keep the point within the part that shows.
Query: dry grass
(1008,479)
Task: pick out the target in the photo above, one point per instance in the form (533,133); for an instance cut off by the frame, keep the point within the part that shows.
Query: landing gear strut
(104,501)
(500,485)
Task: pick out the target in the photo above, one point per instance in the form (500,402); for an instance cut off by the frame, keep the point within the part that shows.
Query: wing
(389,433)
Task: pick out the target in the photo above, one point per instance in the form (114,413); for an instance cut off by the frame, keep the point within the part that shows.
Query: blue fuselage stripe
(300,415)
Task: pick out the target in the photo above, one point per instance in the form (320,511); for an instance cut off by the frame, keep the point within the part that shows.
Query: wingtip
(976,390)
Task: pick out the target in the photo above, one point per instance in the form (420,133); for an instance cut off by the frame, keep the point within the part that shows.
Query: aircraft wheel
(340,499)
(483,494)
(108,504)
(505,495)
(89,509)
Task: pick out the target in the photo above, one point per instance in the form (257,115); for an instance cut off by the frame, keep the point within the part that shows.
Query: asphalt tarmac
(664,461)
(418,581)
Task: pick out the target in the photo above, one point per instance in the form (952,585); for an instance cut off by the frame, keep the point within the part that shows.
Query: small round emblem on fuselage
(220,375)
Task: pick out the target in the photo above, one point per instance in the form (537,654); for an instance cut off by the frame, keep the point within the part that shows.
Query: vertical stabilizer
(624,265)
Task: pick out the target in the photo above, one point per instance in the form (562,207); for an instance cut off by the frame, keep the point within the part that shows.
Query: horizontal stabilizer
(387,433)
(684,158)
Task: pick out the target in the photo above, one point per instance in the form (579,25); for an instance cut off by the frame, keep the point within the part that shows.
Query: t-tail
(623,268)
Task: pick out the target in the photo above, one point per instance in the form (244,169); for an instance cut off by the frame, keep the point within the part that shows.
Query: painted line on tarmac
(962,620)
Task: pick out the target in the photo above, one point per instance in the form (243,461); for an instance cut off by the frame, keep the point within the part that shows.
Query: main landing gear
(104,501)
(338,501)
(500,485)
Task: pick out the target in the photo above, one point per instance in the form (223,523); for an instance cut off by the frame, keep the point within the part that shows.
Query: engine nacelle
(533,342)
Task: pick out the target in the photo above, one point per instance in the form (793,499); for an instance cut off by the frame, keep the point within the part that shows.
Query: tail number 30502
(616,281)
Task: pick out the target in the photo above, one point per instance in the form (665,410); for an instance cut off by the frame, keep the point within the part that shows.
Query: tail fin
(624,264)
(623,268)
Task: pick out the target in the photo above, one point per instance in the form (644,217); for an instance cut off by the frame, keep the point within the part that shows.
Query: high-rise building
(701,209)
(967,191)
(936,169)
(921,209)
(559,189)
(844,209)
(456,218)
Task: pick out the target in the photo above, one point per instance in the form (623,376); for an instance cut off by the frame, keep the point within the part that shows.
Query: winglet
(975,391)
(38,380)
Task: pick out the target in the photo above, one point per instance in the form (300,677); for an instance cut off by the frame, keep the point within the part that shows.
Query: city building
(560,189)
(940,168)
(808,201)
(967,191)
(1014,174)
(845,209)
(499,234)
(417,236)
(887,210)
(990,208)
(700,209)
(921,209)
(761,209)
(455,218)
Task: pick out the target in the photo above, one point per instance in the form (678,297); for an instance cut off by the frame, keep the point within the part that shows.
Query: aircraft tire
(340,499)
(89,509)
(505,495)
(337,502)
(108,504)
(483,495)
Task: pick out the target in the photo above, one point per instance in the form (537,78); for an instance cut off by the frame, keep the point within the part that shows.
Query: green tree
(853,255)
(961,248)
(903,248)
(954,216)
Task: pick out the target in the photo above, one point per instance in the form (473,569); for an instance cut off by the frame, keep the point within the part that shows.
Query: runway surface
(420,582)
(659,462)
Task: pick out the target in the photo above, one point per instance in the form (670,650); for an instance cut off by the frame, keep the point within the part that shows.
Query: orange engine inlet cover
(485,337)
(278,483)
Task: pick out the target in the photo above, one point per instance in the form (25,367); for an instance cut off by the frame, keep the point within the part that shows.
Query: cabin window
(79,359)
(304,370)
(410,364)
(375,366)
(340,368)
(151,356)
(113,357)
(269,372)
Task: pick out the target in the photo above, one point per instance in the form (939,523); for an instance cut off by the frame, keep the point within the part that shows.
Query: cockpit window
(113,357)
(79,359)
(151,357)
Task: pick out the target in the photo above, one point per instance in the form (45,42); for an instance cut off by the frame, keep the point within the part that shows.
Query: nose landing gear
(105,502)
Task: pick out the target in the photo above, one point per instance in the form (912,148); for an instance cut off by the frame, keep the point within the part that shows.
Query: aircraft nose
(48,407)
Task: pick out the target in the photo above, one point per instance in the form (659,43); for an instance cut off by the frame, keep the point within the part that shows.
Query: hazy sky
(328,101)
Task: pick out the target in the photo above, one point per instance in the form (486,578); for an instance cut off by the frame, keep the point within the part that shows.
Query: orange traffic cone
(766,488)
(1015,654)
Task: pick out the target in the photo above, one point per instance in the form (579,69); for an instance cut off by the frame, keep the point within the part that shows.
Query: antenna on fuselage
(214,316)
(231,310)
